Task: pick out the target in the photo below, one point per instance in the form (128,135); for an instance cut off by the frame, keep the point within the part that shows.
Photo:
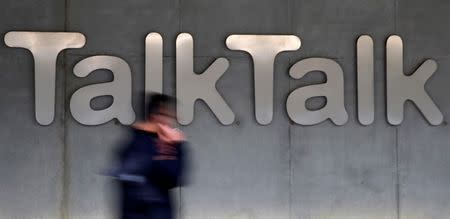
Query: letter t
(263,49)
(45,47)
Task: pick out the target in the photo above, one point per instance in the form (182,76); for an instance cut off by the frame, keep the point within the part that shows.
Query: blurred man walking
(152,163)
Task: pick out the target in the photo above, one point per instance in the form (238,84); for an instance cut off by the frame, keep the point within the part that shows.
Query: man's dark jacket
(149,168)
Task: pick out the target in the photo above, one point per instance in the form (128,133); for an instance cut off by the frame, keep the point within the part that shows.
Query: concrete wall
(244,170)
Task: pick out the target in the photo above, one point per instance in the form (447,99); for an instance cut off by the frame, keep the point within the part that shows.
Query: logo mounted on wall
(190,86)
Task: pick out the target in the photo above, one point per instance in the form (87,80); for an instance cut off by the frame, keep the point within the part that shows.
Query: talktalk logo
(192,86)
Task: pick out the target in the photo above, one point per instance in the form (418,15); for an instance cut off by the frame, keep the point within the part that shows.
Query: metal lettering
(332,90)
(263,49)
(119,89)
(153,64)
(401,87)
(192,86)
(365,77)
(45,47)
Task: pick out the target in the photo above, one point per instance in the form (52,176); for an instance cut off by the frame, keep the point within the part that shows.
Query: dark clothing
(148,170)
(133,207)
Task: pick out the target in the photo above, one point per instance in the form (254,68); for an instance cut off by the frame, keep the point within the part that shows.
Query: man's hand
(168,134)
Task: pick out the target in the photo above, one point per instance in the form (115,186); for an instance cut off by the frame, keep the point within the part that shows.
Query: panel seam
(179,31)
(397,173)
(290,156)
(291,27)
(65,174)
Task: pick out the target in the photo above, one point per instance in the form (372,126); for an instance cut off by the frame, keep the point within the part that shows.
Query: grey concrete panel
(241,170)
(211,22)
(91,149)
(331,28)
(31,156)
(420,24)
(90,152)
(31,162)
(344,171)
(120,27)
(42,15)
(244,170)
(424,154)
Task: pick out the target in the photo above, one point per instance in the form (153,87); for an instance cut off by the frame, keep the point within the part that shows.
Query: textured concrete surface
(424,153)
(210,22)
(241,171)
(247,175)
(347,171)
(330,28)
(119,27)
(31,156)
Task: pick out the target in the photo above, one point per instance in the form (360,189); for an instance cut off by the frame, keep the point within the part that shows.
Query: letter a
(119,89)
(332,90)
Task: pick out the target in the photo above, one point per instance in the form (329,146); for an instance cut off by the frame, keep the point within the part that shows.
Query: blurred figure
(152,163)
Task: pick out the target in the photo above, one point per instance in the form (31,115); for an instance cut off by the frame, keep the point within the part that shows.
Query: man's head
(160,109)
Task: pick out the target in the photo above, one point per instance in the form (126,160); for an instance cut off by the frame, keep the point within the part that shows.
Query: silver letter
(366,103)
(119,89)
(191,86)
(401,87)
(333,90)
(153,64)
(45,47)
(263,49)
